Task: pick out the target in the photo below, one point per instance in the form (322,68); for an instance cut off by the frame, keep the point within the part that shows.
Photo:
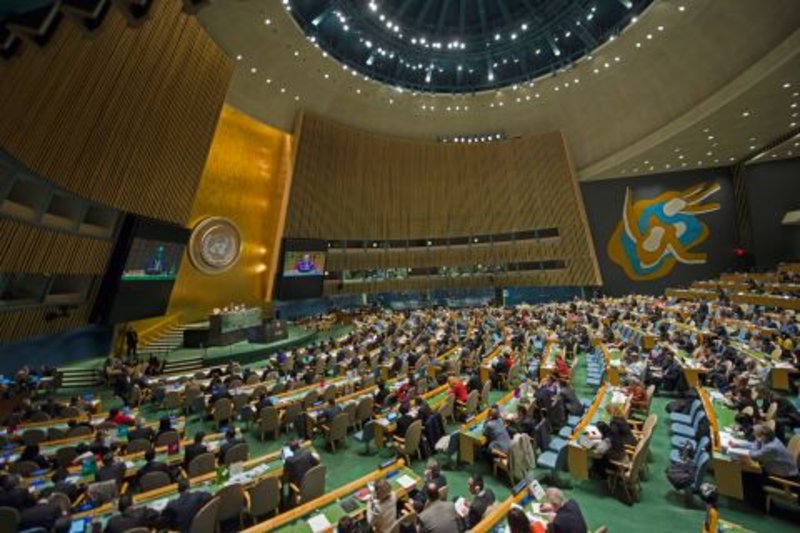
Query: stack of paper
(406,481)
(319,523)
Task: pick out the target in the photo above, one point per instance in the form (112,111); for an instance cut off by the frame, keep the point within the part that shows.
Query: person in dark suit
(439,516)
(131,343)
(111,470)
(151,465)
(484,497)
(230,441)
(179,513)
(299,463)
(329,413)
(14,495)
(130,517)
(404,420)
(43,515)
(196,448)
(566,516)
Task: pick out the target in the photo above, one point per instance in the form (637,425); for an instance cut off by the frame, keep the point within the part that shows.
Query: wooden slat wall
(124,118)
(28,248)
(351,184)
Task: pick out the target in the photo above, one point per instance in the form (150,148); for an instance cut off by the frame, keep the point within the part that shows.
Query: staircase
(167,341)
(79,377)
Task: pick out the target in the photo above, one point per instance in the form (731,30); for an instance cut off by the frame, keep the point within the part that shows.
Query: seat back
(446,410)
(700,469)
(154,480)
(138,445)
(33,436)
(79,431)
(60,500)
(472,403)
(65,455)
(310,399)
(9,520)
(268,419)
(487,388)
(205,521)
(23,468)
(172,400)
(794,448)
(38,416)
(167,438)
(202,464)
(339,426)
(329,393)
(293,411)
(70,412)
(264,497)
(364,409)
(237,454)
(223,409)
(412,438)
(313,484)
(231,502)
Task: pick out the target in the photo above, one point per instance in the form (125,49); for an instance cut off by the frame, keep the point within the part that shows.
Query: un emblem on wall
(215,245)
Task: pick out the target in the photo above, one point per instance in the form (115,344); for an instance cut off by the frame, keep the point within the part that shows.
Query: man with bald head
(566,516)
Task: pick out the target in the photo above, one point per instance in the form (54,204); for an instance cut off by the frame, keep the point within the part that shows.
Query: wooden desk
(485,372)
(727,471)
(384,428)
(470,437)
(295,520)
(272,461)
(578,457)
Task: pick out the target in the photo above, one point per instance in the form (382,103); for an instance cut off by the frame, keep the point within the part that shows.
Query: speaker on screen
(302,268)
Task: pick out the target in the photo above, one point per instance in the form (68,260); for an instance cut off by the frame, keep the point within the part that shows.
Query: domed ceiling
(678,85)
(460,46)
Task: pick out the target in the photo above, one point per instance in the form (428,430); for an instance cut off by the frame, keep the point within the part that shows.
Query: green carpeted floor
(660,510)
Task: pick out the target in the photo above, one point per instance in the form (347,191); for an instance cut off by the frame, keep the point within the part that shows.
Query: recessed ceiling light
(267,21)
(787,85)
(296,98)
(269,80)
(253,70)
(745,114)
(681,8)
(239,57)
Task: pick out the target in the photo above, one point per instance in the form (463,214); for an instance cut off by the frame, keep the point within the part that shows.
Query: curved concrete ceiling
(687,75)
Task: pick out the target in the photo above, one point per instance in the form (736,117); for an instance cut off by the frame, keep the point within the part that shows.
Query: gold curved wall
(355,185)
(244,180)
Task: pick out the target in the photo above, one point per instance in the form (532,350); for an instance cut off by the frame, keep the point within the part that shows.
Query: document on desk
(406,481)
(319,523)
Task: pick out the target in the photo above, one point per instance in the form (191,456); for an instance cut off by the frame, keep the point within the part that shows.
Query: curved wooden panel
(350,184)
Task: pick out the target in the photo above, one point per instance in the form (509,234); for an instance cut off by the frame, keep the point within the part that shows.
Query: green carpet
(661,509)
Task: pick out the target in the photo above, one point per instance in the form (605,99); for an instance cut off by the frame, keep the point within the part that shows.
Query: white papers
(462,507)
(406,481)
(319,523)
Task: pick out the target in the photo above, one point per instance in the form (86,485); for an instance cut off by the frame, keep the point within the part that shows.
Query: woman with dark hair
(518,521)
(164,425)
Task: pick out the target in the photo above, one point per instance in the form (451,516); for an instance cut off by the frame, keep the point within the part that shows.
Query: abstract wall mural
(657,233)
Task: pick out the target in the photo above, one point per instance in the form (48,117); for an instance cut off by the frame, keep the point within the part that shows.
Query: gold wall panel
(356,185)
(244,180)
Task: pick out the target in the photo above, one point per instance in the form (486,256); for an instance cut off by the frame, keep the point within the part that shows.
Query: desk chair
(311,487)
(206,519)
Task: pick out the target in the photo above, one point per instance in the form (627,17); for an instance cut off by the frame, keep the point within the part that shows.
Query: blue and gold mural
(657,233)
